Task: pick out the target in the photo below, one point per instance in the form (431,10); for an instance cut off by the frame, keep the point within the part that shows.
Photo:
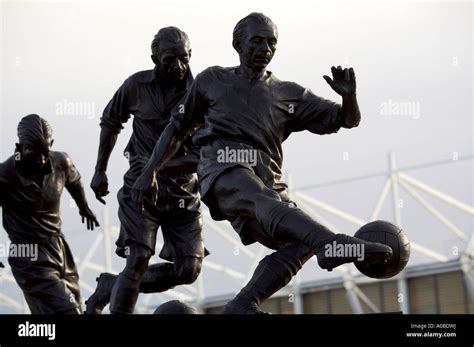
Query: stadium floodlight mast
(396,180)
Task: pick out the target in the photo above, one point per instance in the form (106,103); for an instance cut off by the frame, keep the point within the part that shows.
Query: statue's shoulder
(7,168)
(139,77)
(61,160)
(215,72)
(287,87)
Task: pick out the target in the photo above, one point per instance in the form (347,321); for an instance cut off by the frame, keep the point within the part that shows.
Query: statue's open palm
(343,81)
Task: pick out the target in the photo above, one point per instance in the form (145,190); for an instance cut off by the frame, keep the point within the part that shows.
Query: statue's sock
(273,273)
(293,225)
(159,278)
(124,294)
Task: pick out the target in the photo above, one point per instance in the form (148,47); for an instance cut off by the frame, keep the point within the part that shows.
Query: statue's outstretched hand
(343,81)
(89,218)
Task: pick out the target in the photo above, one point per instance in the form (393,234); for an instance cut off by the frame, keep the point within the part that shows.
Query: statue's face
(173,60)
(258,45)
(35,157)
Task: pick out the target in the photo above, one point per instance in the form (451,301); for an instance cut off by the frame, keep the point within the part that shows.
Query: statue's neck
(249,73)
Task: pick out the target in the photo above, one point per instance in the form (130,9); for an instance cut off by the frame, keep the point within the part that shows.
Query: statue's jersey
(228,113)
(144,96)
(31,212)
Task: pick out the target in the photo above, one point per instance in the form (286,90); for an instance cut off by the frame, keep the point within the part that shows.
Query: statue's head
(35,138)
(255,38)
(171,52)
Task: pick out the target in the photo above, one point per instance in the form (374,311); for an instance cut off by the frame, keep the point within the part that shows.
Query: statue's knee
(188,269)
(137,260)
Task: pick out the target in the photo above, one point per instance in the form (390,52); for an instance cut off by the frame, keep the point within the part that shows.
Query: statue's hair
(34,130)
(257,17)
(168,34)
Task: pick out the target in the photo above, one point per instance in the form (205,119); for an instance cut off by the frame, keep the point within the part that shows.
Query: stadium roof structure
(443,244)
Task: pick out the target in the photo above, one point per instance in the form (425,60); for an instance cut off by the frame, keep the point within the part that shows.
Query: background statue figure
(149,96)
(31,184)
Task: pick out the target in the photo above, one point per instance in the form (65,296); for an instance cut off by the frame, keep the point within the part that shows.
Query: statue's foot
(342,249)
(101,297)
(237,306)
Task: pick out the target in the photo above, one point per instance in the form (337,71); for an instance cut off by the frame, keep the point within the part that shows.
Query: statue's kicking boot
(332,250)
(342,249)
(101,296)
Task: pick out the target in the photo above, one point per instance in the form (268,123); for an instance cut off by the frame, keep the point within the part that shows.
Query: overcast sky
(413,62)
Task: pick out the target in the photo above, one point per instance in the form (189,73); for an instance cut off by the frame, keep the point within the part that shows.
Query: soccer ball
(390,235)
(175,307)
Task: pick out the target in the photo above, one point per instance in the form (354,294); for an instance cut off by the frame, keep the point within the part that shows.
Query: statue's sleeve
(2,193)
(316,114)
(4,183)
(117,111)
(73,176)
(188,114)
